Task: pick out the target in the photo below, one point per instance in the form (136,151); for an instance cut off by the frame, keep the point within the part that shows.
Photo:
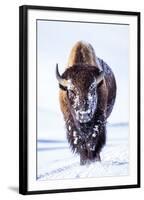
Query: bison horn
(100,77)
(61,81)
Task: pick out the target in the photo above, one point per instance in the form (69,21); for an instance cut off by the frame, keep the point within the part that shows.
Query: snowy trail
(56,161)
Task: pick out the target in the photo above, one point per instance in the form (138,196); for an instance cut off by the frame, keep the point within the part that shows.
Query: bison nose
(83,114)
(85,107)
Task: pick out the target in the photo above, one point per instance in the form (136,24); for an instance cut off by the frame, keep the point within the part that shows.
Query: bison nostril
(81,116)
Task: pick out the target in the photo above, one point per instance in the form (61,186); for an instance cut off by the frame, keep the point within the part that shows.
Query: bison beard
(87,141)
(86,135)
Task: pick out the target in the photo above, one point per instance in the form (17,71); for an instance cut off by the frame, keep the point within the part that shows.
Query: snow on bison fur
(87,96)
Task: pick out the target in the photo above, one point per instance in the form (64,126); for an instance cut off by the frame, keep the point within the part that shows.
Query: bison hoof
(84,161)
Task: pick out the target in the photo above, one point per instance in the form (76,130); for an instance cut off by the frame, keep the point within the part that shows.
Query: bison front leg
(83,157)
(93,156)
(95,143)
(88,157)
(98,158)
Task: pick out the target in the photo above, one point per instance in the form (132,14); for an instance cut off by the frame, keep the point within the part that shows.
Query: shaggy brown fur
(82,52)
(82,68)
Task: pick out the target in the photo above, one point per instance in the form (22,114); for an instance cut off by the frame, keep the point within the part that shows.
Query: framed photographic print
(79,99)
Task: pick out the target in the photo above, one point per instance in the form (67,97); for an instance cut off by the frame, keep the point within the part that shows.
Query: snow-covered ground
(56,161)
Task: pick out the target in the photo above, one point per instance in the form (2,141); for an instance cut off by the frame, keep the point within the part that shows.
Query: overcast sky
(54,42)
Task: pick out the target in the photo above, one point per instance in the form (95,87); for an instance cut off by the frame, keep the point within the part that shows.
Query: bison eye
(92,88)
(72,93)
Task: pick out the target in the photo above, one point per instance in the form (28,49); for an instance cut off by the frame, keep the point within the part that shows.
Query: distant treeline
(118,124)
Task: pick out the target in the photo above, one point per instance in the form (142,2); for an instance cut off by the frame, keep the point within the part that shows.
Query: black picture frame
(23,97)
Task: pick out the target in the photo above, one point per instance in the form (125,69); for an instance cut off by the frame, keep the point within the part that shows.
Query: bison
(87,96)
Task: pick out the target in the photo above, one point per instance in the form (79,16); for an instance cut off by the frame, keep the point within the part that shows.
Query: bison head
(81,82)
